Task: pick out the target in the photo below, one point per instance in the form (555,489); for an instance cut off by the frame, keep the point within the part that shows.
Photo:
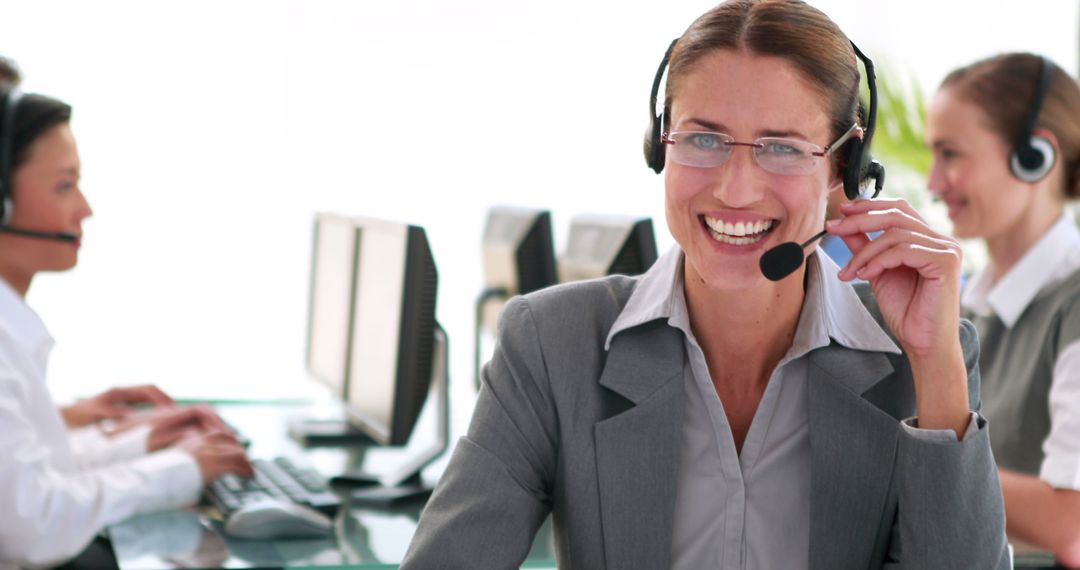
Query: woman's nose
(937,182)
(739,180)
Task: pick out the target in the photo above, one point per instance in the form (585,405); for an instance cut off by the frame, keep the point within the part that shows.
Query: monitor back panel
(595,244)
(518,252)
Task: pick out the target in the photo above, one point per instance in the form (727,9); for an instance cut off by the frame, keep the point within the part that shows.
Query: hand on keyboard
(218,454)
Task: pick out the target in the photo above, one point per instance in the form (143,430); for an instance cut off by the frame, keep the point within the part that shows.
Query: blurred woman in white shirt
(59,488)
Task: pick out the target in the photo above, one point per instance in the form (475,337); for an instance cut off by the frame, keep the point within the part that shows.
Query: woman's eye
(705,141)
(782,149)
(65,186)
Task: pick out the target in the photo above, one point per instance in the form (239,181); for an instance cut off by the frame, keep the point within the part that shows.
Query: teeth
(739,229)
(736,240)
(739,233)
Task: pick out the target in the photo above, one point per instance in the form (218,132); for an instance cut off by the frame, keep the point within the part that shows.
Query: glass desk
(363,537)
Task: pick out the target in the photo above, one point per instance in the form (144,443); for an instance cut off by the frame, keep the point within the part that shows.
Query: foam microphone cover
(781,261)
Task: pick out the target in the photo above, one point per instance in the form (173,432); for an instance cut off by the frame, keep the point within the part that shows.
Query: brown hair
(1004,88)
(34,115)
(789,29)
(9,74)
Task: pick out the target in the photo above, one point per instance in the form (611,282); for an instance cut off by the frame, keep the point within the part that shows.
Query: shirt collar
(1055,256)
(22,324)
(831,308)
(651,299)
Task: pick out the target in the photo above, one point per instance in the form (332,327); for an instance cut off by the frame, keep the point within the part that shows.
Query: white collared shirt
(752,510)
(55,498)
(1052,259)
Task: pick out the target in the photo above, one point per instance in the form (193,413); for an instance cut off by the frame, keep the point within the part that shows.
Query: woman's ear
(834,198)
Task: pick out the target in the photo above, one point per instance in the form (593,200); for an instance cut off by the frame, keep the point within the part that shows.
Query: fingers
(878,204)
(169,426)
(108,411)
(932,257)
(218,454)
(867,216)
(905,240)
(202,417)
(209,419)
(142,394)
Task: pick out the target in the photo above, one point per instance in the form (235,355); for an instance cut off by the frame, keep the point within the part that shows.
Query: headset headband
(871,85)
(1036,104)
(656,82)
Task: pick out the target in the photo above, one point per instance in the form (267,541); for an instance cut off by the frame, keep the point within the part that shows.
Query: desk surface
(363,537)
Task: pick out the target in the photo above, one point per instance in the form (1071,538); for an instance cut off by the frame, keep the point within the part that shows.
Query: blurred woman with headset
(59,487)
(1005,136)
(735,407)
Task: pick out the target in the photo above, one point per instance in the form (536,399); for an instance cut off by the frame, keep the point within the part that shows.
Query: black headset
(857,163)
(7,145)
(1033,156)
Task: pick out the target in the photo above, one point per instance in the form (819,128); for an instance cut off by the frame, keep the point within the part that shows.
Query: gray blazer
(591,436)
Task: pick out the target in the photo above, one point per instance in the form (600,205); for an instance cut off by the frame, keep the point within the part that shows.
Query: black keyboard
(277,479)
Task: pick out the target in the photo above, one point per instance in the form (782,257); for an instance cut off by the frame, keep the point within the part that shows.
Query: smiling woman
(703,416)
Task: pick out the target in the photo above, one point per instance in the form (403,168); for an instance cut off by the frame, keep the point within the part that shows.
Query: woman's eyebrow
(718,127)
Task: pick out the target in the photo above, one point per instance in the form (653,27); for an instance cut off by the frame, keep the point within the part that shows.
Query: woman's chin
(733,275)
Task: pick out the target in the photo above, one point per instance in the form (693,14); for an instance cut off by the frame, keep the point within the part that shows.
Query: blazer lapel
(637,451)
(853,447)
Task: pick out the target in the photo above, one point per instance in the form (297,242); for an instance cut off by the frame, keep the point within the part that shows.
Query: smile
(738,233)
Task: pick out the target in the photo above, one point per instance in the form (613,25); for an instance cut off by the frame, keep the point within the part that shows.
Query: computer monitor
(602,245)
(519,256)
(392,346)
(393,353)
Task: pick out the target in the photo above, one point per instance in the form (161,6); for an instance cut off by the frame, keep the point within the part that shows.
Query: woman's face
(47,198)
(970,171)
(725,217)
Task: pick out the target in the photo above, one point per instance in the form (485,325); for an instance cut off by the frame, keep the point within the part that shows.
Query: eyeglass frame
(854,130)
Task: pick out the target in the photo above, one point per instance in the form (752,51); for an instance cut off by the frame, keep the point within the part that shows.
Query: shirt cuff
(911,426)
(1060,473)
(132,443)
(92,448)
(181,480)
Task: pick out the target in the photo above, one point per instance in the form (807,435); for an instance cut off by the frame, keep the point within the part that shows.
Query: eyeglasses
(790,157)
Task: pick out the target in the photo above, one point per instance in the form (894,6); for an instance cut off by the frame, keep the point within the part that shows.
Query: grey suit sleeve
(495,492)
(951,514)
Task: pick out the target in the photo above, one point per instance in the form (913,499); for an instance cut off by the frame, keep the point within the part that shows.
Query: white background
(211,132)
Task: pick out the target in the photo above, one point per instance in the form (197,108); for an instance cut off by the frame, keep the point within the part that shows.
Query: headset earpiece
(859,166)
(654,148)
(7,135)
(853,168)
(1033,156)
(1034,161)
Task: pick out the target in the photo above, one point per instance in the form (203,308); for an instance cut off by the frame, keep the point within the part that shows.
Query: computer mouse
(273,519)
